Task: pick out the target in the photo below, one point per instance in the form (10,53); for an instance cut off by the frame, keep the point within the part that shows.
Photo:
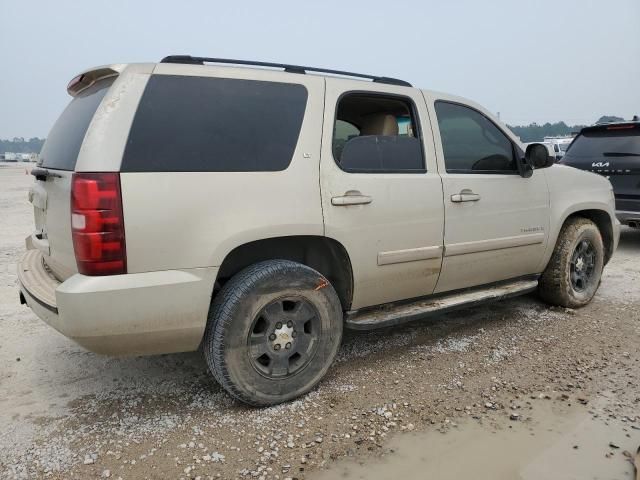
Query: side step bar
(394,314)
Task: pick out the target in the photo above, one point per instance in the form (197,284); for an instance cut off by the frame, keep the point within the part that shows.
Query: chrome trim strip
(464,248)
(409,255)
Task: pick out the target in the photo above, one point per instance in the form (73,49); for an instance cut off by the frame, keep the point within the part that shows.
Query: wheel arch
(602,220)
(604,223)
(324,254)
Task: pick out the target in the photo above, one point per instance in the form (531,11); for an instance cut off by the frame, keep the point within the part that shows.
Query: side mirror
(538,156)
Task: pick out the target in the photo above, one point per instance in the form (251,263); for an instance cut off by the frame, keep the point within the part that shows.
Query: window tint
(382,153)
(375,134)
(343,132)
(61,149)
(471,142)
(606,143)
(198,124)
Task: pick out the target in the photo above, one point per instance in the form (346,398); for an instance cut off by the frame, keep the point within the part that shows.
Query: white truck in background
(559,145)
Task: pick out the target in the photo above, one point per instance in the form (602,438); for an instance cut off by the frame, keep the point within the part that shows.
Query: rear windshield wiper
(620,154)
(43,173)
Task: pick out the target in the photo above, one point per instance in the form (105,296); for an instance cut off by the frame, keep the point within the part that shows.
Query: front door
(381,193)
(497,222)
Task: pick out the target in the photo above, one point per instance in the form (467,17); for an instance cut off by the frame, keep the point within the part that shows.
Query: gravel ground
(66,412)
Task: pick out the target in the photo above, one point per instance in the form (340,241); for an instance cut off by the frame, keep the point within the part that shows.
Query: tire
(273,331)
(569,281)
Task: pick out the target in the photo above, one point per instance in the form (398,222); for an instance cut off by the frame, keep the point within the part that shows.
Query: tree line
(20,145)
(536,133)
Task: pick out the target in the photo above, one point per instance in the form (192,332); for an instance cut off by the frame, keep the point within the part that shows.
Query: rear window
(606,143)
(200,124)
(60,151)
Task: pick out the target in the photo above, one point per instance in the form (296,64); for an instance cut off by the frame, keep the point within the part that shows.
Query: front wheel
(273,331)
(574,271)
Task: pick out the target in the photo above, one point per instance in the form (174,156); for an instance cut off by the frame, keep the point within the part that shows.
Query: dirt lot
(510,390)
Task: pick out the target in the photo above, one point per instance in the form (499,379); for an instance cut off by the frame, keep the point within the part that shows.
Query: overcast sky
(548,60)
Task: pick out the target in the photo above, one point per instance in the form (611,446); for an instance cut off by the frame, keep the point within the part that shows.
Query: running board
(394,314)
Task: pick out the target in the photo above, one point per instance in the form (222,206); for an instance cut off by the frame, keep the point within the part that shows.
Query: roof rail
(188,59)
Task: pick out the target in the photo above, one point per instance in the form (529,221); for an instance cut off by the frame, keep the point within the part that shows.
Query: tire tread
(221,316)
(552,286)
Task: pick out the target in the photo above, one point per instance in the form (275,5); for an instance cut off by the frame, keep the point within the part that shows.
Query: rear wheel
(273,331)
(574,271)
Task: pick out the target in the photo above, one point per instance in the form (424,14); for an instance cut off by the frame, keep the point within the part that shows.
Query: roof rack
(188,59)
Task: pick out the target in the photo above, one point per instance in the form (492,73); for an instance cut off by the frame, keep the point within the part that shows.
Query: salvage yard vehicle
(612,150)
(256,211)
(559,145)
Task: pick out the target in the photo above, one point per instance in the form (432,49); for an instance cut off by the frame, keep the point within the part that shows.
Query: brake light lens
(97,224)
(620,127)
(74,81)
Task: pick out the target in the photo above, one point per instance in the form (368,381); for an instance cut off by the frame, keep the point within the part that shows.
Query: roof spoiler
(601,127)
(86,79)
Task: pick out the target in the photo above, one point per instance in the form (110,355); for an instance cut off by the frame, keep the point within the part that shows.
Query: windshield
(606,143)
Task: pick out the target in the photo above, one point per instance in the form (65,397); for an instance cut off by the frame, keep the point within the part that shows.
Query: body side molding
(493,244)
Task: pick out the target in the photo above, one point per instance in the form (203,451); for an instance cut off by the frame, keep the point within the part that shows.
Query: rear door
(496,222)
(50,195)
(381,193)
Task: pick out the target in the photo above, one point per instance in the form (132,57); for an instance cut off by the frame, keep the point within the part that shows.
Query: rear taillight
(97,224)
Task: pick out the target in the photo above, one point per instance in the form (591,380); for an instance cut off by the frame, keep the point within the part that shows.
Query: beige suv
(255,212)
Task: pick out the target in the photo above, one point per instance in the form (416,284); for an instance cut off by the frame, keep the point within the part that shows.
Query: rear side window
(471,142)
(60,151)
(203,124)
(607,143)
(376,133)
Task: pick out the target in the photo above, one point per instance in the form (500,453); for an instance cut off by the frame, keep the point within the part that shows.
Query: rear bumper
(627,217)
(133,314)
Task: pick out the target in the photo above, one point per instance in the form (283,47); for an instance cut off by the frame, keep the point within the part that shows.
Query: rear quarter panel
(108,131)
(194,219)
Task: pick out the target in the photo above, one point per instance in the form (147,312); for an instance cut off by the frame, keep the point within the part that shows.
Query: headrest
(379,124)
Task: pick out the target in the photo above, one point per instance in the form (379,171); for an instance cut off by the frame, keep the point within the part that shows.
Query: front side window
(471,142)
(377,134)
(205,124)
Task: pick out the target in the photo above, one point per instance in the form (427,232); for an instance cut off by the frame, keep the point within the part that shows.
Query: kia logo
(600,164)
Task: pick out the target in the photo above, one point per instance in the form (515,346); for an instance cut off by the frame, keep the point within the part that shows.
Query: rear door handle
(465,195)
(352,197)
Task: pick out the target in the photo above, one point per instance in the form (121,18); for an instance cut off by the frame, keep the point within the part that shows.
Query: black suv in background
(612,150)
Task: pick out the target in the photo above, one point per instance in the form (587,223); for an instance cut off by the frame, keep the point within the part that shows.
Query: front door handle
(465,195)
(352,197)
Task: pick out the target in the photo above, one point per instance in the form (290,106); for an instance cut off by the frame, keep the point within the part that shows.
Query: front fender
(573,192)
